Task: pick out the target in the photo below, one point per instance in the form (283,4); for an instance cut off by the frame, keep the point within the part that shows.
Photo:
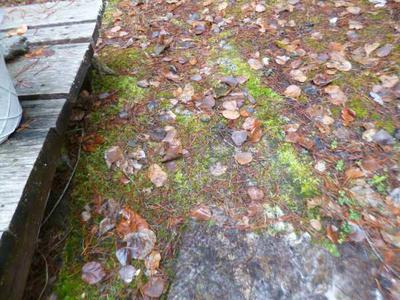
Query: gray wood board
(51,13)
(50,76)
(19,154)
(63,34)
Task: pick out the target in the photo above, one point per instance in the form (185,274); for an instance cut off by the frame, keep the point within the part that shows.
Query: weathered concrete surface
(218,263)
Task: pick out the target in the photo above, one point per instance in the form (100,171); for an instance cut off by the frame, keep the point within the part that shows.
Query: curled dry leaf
(348,116)
(127,273)
(201,213)
(18,31)
(316,224)
(231,114)
(298,75)
(243,158)
(141,243)
(332,233)
(157,176)
(354,173)
(293,91)
(152,263)
(255,64)
(154,287)
(93,272)
(230,105)
(255,193)
(130,222)
(337,97)
(113,155)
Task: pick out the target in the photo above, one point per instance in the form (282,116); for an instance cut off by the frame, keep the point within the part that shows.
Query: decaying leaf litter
(248,106)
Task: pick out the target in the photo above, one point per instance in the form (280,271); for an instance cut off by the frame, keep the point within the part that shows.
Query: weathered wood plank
(27,165)
(56,76)
(64,34)
(52,13)
(19,154)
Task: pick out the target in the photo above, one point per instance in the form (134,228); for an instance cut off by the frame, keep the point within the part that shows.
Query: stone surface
(220,263)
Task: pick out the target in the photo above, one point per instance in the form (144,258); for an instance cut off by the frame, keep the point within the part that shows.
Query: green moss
(388,125)
(300,172)
(125,86)
(360,107)
(122,59)
(331,247)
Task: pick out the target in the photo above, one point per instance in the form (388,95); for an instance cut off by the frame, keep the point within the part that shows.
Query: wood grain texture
(51,14)
(19,154)
(64,34)
(50,76)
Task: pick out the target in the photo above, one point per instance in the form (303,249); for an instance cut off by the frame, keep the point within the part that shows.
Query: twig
(67,185)
(47,276)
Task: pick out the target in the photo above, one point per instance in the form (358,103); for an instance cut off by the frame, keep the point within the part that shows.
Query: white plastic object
(10,108)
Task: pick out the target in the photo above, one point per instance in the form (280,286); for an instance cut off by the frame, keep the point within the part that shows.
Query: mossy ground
(283,170)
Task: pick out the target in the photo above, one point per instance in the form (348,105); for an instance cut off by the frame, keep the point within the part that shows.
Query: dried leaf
(157,176)
(243,158)
(337,97)
(298,75)
(130,222)
(93,272)
(113,155)
(154,287)
(141,243)
(231,114)
(201,213)
(293,91)
(332,233)
(152,263)
(127,273)
(255,64)
(354,173)
(348,116)
(255,193)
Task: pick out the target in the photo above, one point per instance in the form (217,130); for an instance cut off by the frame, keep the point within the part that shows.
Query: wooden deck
(46,84)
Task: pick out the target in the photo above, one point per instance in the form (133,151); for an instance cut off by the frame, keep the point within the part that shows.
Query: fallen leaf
(337,97)
(93,272)
(293,91)
(369,48)
(348,116)
(201,213)
(353,173)
(127,273)
(255,193)
(332,233)
(316,224)
(113,155)
(239,137)
(231,114)
(154,287)
(255,64)
(298,75)
(384,50)
(243,158)
(141,243)
(230,105)
(152,263)
(157,176)
(187,93)
(130,222)
(256,134)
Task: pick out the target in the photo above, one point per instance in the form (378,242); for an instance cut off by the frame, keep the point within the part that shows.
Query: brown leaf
(243,158)
(154,287)
(332,233)
(292,91)
(113,155)
(157,176)
(348,116)
(337,97)
(353,173)
(93,272)
(201,213)
(152,263)
(255,193)
(130,222)
(231,114)
(256,135)
(18,31)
